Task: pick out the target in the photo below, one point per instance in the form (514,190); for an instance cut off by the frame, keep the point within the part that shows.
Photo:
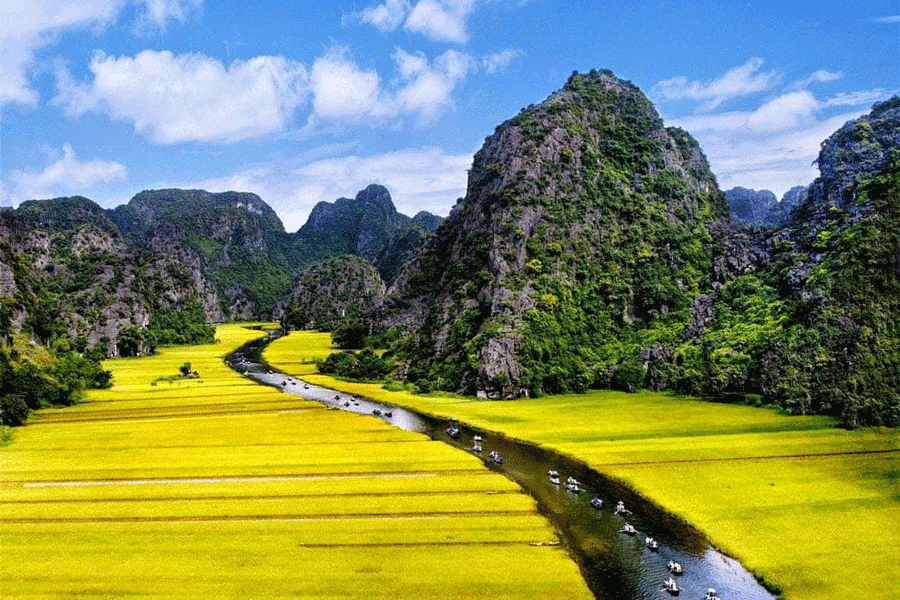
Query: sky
(304,101)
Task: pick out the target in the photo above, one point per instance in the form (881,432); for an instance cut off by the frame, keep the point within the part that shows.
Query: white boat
(554,477)
(596,502)
(671,586)
(620,509)
(675,568)
(651,543)
(711,595)
(629,529)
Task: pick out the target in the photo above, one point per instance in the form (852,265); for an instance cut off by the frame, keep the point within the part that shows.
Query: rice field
(810,508)
(221,488)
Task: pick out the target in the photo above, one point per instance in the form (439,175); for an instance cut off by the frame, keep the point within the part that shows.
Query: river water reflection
(616,566)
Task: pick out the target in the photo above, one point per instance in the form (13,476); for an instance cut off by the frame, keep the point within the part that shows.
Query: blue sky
(307,101)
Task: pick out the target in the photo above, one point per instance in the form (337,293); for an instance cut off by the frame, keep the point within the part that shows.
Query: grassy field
(221,488)
(812,509)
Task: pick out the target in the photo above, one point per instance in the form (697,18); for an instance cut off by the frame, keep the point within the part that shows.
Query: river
(615,565)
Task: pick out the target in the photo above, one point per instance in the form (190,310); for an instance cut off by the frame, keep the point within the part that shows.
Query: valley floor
(810,508)
(221,488)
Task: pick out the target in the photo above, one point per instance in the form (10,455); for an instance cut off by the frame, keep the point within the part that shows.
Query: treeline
(33,376)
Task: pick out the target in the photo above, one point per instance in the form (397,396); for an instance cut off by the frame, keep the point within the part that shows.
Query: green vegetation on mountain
(593,249)
(582,241)
(331,292)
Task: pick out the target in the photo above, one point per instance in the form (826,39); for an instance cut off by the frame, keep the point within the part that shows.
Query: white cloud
(189,97)
(426,88)
(860,98)
(344,91)
(441,20)
(341,88)
(386,17)
(28,27)
(159,12)
(773,146)
(744,80)
(888,19)
(67,174)
(499,61)
(418,179)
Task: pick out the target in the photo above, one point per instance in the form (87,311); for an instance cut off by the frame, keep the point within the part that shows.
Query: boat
(376,412)
(596,502)
(651,543)
(675,568)
(477,439)
(305,386)
(388,414)
(476,447)
(453,431)
(620,509)
(554,477)
(495,456)
(671,586)
(336,397)
(346,404)
(574,487)
(628,528)
(711,595)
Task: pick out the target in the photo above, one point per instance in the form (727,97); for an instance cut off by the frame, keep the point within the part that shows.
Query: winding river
(615,565)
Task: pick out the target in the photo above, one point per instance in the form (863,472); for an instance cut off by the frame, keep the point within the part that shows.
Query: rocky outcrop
(66,266)
(334,291)
(368,226)
(761,208)
(549,252)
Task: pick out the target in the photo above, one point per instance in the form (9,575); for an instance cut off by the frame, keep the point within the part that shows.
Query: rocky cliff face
(837,265)
(368,226)
(234,240)
(761,208)
(66,269)
(584,217)
(333,291)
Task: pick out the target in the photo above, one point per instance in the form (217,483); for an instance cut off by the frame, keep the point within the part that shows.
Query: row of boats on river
(669,585)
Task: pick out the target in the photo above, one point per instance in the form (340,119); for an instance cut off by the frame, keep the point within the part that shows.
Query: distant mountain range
(761,208)
(593,248)
(224,256)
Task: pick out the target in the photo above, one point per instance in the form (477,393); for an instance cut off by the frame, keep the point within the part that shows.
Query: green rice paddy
(811,509)
(221,488)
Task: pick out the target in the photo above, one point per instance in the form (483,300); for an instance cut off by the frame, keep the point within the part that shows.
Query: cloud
(773,146)
(28,27)
(744,80)
(860,98)
(189,97)
(159,12)
(888,19)
(386,17)
(499,61)
(67,174)
(427,88)
(441,20)
(340,88)
(417,178)
(423,88)
(438,20)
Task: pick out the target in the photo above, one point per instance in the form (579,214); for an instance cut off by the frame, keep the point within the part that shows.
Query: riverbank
(217,487)
(810,508)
